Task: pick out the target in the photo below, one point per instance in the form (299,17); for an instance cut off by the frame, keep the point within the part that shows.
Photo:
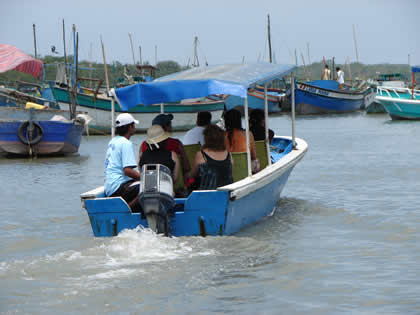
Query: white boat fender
(30,132)
(83,119)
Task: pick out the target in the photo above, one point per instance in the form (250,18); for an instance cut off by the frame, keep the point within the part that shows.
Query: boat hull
(312,99)
(401,109)
(99,110)
(60,137)
(217,212)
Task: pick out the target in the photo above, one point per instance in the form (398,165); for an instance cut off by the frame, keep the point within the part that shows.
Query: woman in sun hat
(157,152)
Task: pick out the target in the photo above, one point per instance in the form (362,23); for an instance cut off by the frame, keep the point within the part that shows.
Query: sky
(229,31)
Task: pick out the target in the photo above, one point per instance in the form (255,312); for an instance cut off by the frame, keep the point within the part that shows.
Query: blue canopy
(233,79)
(415,68)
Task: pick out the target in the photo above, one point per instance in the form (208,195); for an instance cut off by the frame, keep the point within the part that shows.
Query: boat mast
(140,60)
(355,47)
(33,26)
(196,62)
(269,38)
(309,63)
(132,50)
(107,88)
(69,92)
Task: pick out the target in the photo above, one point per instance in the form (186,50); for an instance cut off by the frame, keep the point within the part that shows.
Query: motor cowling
(156,196)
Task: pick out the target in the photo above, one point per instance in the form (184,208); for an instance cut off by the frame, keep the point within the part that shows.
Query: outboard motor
(156,196)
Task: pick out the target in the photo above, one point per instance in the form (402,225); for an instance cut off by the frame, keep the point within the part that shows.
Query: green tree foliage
(88,70)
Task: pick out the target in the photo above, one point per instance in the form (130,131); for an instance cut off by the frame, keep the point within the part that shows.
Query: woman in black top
(213,164)
(157,153)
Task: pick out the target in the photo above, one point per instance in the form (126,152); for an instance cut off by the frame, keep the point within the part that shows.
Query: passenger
(257,124)
(326,73)
(340,78)
(121,178)
(195,135)
(212,166)
(158,153)
(173,144)
(270,135)
(235,137)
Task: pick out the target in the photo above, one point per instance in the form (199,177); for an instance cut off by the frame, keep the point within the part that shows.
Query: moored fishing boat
(98,106)
(227,209)
(30,128)
(324,96)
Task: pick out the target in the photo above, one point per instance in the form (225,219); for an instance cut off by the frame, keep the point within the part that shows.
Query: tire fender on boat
(23,133)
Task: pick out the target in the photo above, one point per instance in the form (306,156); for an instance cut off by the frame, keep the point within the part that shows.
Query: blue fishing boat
(32,132)
(324,96)
(28,126)
(401,103)
(227,209)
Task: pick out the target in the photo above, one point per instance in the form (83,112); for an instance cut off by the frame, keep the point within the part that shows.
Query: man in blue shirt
(121,178)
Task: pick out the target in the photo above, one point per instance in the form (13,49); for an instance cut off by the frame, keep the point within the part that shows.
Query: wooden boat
(227,209)
(53,133)
(323,96)
(401,103)
(98,106)
(28,126)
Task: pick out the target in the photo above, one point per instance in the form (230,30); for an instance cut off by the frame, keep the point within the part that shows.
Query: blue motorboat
(324,96)
(227,209)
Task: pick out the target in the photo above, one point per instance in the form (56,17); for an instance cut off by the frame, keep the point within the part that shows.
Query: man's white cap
(125,119)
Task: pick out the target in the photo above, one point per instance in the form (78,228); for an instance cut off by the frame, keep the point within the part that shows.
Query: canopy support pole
(267,139)
(293,110)
(162,108)
(112,117)
(248,152)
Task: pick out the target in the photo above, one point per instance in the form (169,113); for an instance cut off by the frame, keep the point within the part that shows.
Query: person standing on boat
(195,135)
(121,178)
(326,73)
(340,78)
(212,166)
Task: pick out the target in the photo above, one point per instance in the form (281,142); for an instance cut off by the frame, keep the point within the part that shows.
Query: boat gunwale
(398,99)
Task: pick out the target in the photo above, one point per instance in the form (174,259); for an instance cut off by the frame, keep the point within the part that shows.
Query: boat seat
(240,166)
(261,151)
(191,150)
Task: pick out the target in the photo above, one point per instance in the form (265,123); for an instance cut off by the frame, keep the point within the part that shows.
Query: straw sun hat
(156,134)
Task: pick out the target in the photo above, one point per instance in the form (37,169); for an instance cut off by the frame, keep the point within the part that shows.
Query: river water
(344,239)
